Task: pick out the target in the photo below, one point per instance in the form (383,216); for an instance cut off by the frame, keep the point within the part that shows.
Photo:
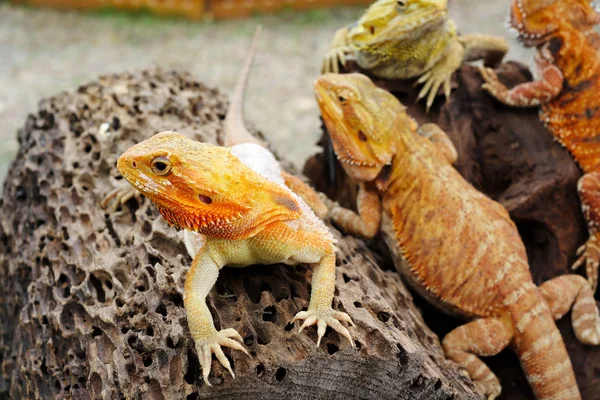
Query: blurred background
(44,51)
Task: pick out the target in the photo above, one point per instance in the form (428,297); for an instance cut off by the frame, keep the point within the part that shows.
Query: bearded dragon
(458,248)
(568,61)
(236,210)
(402,39)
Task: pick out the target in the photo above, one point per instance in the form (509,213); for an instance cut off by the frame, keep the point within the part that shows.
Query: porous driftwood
(509,155)
(91,303)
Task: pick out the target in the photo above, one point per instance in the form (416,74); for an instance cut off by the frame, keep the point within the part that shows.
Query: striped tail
(543,355)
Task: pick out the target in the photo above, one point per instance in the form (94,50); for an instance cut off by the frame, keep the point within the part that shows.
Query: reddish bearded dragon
(237,200)
(458,248)
(568,61)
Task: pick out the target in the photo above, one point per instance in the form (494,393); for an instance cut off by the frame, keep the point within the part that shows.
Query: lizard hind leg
(568,291)
(589,254)
(481,337)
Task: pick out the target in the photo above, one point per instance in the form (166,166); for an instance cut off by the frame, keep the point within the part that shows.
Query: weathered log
(507,154)
(91,303)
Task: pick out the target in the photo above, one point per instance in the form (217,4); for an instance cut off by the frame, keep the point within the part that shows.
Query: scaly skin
(236,210)
(456,246)
(401,39)
(567,93)
(245,218)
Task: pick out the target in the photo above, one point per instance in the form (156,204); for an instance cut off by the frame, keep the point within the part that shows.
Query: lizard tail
(235,129)
(543,354)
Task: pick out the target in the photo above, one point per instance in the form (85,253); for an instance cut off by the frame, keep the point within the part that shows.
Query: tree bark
(91,303)
(509,155)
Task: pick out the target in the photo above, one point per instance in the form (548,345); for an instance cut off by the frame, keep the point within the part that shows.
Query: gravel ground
(44,51)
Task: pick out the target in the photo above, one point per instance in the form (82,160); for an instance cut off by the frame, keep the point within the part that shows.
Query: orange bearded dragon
(567,94)
(458,248)
(236,210)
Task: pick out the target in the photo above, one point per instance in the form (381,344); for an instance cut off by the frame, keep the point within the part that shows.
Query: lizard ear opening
(205,199)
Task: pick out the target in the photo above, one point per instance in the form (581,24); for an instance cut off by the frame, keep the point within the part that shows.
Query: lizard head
(204,188)
(362,120)
(536,21)
(399,19)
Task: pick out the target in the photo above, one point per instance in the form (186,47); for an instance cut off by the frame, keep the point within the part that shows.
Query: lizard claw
(492,84)
(433,80)
(212,344)
(589,254)
(323,319)
(333,58)
(118,196)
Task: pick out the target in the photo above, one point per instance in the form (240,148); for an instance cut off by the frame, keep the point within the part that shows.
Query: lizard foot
(433,80)
(333,58)
(323,319)
(490,388)
(119,196)
(492,84)
(212,344)
(589,254)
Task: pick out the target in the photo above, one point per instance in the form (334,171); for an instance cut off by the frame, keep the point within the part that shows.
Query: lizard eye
(161,166)
(401,4)
(341,99)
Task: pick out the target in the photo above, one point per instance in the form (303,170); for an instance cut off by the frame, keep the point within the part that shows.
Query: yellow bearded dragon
(402,39)
(458,248)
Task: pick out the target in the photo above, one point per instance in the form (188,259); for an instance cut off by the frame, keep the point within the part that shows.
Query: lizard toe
(213,344)
(323,319)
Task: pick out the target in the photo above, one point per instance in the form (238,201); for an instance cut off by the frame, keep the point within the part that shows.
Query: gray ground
(43,52)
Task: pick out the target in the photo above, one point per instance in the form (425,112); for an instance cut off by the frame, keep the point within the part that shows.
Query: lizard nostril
(134,164)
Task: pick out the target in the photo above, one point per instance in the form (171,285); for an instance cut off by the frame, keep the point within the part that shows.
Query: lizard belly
(462,250)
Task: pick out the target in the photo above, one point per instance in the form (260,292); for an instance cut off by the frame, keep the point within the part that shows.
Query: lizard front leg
(200,279)
(530,94)
(283,242)
(340,47)
(482,337)
(368,220)
(319,309)
(589,254)
(490,49)
(119,196)
(441,73)
(440,139)
(568,291)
